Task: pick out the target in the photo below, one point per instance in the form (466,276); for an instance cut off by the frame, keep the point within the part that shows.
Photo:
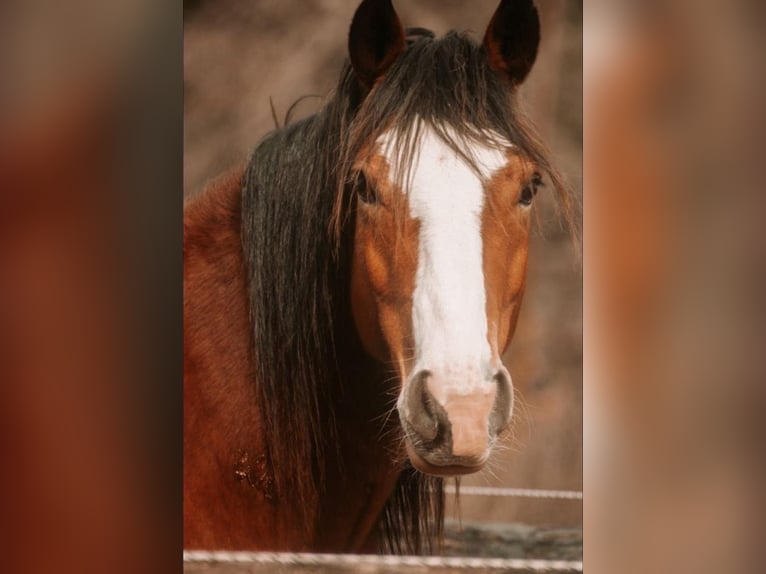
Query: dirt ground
(239,54)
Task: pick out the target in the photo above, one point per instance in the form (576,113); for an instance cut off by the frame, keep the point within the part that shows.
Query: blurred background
(90,286)
(239,55)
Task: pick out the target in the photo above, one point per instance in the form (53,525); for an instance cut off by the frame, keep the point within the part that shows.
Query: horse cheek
(366,275)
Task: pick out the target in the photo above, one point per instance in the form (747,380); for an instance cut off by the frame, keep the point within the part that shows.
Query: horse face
(439,261)
(438,274)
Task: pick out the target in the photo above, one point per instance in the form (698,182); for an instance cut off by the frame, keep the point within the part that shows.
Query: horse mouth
(444,466)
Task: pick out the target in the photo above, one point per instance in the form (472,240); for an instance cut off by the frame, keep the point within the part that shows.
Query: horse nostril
(503,406)
(462,425)
(423,412)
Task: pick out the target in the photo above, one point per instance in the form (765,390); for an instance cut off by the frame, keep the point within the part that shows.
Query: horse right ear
(512,38)
(376,39)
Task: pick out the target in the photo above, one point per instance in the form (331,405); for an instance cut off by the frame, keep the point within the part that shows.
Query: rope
(518,492)
(339,560)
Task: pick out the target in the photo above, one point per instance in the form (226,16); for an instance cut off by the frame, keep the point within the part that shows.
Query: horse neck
(365,388)
(363,477)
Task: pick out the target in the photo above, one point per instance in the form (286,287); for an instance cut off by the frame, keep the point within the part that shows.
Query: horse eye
(530,190)
(364,190)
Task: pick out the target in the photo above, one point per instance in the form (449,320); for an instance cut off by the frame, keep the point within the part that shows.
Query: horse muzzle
(450,428)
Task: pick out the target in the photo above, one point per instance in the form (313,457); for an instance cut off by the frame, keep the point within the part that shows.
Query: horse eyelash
(529,190)
(370,195)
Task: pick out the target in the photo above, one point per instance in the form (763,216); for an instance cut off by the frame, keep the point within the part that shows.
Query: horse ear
(512,38)
(376,39)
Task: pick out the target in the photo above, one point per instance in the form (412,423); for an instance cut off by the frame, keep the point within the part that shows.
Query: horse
(349,293)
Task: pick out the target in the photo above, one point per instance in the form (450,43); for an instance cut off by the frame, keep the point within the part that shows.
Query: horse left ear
(512,38)
(376,39)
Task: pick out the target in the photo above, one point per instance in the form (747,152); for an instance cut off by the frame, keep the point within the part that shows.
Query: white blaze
(449,314)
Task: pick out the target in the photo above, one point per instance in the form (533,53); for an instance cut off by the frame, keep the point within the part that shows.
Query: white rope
(517,492)
(304,559)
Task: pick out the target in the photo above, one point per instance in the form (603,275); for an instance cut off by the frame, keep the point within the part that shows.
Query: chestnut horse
(349,295)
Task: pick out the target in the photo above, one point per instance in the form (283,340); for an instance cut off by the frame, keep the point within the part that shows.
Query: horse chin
(426,467)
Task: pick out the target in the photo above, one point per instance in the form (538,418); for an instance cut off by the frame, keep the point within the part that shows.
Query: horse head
(444,186)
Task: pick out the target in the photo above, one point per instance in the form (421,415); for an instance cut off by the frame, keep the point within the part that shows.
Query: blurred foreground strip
(675,375)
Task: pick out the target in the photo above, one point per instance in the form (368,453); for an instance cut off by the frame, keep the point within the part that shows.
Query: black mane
(296,210)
